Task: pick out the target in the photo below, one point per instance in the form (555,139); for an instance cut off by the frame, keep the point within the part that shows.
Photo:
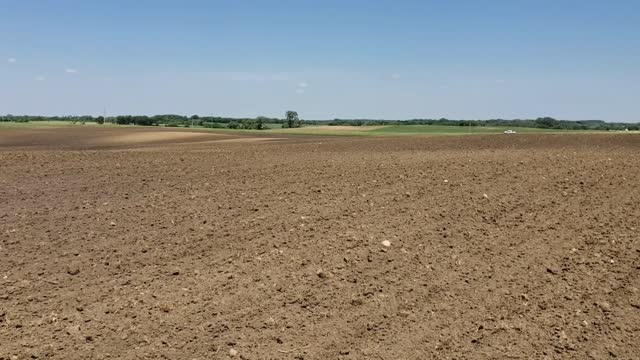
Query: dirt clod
(552,269)
(604,306)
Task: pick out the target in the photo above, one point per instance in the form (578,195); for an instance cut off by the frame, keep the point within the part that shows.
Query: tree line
(169,120)
(292,119)
(541,123)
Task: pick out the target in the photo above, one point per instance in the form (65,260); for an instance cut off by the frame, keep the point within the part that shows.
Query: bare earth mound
(143,137)
(83,138)
(500,247)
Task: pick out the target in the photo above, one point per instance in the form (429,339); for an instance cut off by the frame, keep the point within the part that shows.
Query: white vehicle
(509,132)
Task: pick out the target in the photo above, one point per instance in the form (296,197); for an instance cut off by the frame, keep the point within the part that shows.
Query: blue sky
(396,59)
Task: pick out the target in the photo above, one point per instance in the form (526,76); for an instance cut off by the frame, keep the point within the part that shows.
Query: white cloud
(395,76)
(40,78)
(300,91)
(303,85)
(70,70)
(12,60)
(500,81)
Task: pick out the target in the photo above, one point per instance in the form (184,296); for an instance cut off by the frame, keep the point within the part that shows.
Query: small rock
(321,274)
(73,271)
(357,302)
(233,352)
(165,307)
(386,243)
(553,270)
(571,347)
(113,223)
(604,306)
(73,330)
(485,196)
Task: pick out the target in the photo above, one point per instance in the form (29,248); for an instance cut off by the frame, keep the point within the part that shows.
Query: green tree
(546,122)
(292,120)
(259,123)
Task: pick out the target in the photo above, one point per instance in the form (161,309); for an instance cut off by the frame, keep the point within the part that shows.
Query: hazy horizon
(281,117)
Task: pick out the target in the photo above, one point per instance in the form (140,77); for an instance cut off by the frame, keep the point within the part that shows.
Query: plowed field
(121,243)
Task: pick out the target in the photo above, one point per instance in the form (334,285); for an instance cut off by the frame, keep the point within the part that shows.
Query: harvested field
(518,247)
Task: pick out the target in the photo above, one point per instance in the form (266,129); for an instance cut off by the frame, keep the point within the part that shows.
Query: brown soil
(273,248)
(87,138)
